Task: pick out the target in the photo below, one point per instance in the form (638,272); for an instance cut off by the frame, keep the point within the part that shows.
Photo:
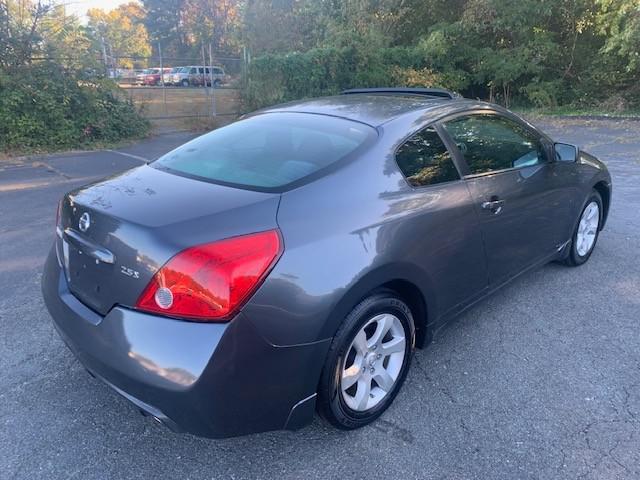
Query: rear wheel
(586,233)
(367,361)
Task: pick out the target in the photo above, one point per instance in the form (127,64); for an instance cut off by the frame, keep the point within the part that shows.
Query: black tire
(331,404)
(217,83)
(185,83)
(574,258)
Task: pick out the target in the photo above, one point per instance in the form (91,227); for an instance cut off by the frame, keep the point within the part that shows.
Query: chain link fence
(181,93)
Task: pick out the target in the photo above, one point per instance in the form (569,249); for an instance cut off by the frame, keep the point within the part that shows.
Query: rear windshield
(267,151)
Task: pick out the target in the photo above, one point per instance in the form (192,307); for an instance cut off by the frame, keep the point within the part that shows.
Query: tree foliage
(183,27)
(48,107)
(526,52)
(121,32)
(20,32)
(52,92)
(530,52)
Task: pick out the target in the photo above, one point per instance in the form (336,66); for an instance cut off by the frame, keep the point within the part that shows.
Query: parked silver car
(167,77)
(140,74)
(194,75)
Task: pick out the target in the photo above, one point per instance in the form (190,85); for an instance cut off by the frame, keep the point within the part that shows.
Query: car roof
(374,108)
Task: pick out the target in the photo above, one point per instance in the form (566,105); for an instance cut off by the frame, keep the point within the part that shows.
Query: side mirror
(565,152)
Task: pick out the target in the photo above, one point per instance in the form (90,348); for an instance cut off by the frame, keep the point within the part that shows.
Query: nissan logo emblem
(85,222)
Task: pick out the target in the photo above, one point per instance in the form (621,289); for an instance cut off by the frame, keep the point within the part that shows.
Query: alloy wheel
(373,362)
(587,229)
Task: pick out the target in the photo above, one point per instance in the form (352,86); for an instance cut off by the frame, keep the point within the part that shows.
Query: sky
(80,7)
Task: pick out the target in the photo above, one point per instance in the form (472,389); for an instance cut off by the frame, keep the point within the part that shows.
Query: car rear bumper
(210,379)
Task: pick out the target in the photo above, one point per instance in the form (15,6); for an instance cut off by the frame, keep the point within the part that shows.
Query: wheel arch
(605,194)
(414,298)
(408,282)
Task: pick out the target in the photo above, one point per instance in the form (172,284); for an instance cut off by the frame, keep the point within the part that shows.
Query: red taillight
(210,282)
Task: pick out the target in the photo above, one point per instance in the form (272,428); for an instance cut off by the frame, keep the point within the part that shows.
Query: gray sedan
(292,261)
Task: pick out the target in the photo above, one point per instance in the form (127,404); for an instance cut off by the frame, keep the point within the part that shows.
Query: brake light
(210,282)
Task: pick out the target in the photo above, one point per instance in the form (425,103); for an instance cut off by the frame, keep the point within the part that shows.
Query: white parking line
(130,155)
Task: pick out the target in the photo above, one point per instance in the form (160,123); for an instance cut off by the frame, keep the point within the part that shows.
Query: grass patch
(27,151)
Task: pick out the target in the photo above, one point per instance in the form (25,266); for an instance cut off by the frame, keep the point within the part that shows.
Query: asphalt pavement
(540,381)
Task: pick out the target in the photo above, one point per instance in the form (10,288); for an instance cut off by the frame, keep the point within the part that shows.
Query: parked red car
(154,76)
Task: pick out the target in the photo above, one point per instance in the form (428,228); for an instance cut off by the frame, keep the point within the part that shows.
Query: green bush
(43,107)
(277,78)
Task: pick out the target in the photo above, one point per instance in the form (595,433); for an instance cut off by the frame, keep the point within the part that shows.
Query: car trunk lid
(115,234)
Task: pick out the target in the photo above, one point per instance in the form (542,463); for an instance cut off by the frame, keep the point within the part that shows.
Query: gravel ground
(542,380)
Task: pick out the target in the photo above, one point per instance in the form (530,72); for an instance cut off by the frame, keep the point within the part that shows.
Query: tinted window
(425,160)
(193,70)
(217,71)
(492,142)
(269,150)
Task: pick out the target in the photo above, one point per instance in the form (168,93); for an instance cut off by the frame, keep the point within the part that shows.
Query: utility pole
(114,65)
(164,90)
(204,66)
(104,57)
(213,86)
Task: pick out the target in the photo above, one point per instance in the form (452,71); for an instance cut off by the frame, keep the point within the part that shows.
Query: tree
(271,26)
(213,22)
(67,42)
(619,22)
(121,33)
(20,35)
(164,21)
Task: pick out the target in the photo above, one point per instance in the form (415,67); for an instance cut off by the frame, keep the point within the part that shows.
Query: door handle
(494,206)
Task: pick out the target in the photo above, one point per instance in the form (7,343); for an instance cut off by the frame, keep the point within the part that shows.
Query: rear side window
(425,160)
(491,142)
(267,151)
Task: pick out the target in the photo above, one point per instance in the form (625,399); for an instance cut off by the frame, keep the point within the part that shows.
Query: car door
(443,228)
(521,201)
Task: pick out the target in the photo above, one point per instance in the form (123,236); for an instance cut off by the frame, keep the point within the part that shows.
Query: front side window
(267,151)
(424,159)
(193,70)
(491,142)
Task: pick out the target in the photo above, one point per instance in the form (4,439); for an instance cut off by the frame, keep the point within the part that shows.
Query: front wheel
(185,83)
(367,361)
(586,233)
